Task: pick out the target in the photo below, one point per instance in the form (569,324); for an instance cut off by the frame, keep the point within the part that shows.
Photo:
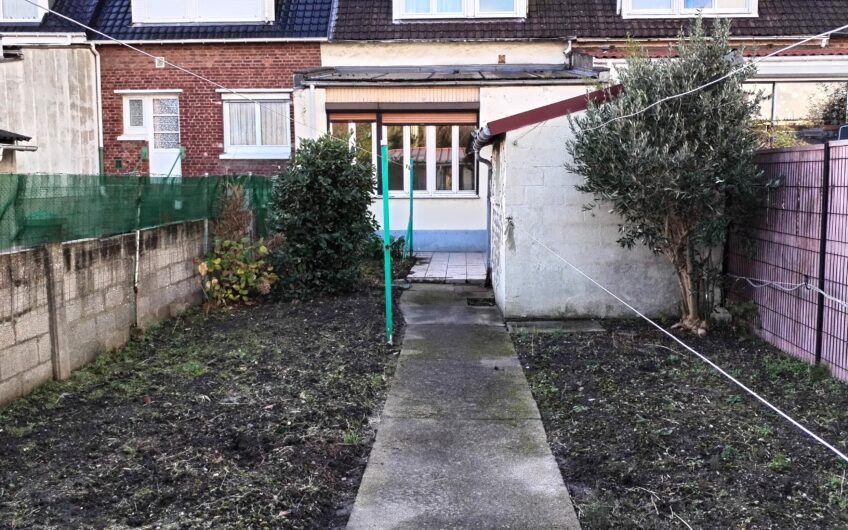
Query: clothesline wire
(676,339)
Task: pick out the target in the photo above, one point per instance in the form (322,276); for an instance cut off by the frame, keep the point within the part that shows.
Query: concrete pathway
(449,267)
(460,443)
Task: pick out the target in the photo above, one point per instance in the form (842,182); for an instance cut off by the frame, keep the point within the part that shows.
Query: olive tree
(679,174)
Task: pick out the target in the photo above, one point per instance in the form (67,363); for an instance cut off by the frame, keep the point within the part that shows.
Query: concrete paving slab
(442,304)
(451,474)
(460,390)
(456,342)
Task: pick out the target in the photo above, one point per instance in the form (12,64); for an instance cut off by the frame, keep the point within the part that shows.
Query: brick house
(160,120)
(420,73)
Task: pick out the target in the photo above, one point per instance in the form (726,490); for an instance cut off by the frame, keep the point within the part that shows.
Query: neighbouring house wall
(50,95)
(535,190)
(235,66)
(441,53)
(62,305)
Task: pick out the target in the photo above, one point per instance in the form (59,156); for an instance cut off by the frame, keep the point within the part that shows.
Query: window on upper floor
(21,11)
(688,8)
(200,11)
(423,9)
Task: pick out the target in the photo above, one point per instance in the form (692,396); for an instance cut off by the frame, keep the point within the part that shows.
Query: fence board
(784,245)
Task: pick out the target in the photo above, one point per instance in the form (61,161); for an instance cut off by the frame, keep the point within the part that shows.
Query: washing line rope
(786,287)
(704,358)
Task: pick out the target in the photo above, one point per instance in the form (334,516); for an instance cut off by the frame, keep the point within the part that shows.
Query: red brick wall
(269,65)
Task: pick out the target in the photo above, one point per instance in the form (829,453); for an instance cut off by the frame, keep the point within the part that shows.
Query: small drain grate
(481,302)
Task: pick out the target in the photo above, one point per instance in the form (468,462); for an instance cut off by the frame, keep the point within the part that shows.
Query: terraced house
(423,74)
(232,114)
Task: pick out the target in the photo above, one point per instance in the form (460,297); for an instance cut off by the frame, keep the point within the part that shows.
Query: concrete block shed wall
(533,187)
(51,96)
(233,65)
(62,305)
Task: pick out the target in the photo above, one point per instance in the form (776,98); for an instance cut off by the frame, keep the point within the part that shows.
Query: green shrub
(375,247)
(320,205)
(236,272)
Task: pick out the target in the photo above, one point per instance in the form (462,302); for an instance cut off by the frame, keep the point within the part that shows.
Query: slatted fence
(800,237)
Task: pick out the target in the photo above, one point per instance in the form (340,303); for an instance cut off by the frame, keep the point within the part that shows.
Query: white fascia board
(809,67)
(42,39)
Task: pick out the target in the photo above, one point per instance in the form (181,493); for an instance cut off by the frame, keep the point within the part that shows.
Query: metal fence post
(825,210)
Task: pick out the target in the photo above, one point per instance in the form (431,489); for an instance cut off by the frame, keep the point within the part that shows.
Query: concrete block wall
(62,305)
(534,188)
(25,348)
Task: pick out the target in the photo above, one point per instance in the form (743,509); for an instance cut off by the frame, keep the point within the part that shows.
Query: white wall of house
(50,95)
(532,186)
(441,53)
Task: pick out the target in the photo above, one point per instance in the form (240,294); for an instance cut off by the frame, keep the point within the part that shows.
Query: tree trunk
(681,254)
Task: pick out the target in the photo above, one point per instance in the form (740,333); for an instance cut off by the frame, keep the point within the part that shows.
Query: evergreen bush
(320,208)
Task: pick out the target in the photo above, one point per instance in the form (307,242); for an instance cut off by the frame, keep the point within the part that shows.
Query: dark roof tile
(562,19)
(296,19)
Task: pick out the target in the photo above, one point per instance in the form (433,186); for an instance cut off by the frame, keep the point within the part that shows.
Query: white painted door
(165,137)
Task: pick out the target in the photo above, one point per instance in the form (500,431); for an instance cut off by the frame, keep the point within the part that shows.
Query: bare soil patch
(251,418)
(648,436)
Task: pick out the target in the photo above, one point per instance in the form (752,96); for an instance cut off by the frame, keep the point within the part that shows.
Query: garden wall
(63,304)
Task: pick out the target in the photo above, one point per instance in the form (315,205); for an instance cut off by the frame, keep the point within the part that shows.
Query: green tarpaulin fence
(39,209)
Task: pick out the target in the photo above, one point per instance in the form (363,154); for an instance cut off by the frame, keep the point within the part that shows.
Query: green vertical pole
(410,227)
(387,240)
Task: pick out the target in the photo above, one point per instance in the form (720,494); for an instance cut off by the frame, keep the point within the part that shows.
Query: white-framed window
(688,8)
(194,11)
(257,125)
(21,11)
(151,115)
(423,9)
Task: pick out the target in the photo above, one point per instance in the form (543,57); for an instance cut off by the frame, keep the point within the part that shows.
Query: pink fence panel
(784,246)
(835,321)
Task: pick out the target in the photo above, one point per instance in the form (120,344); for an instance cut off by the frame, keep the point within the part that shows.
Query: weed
(191,368)
(784,366)
(579,408)
(763,431)
(352,437)
(733,399)
(729,453)
(376,380)
(779,462)
(19,432)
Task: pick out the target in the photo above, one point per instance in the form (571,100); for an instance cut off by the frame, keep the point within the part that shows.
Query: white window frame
(141,14)
(42,7)
(470,9)
(431,191)
(145,131)
(678,11)
(256,152)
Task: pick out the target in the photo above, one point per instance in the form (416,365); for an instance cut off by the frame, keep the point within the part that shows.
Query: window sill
(282,155)
(430,196)
(132,138)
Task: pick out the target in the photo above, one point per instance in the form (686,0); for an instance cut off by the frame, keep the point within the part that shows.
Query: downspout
(312,112)
(488,164)
(99,103)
